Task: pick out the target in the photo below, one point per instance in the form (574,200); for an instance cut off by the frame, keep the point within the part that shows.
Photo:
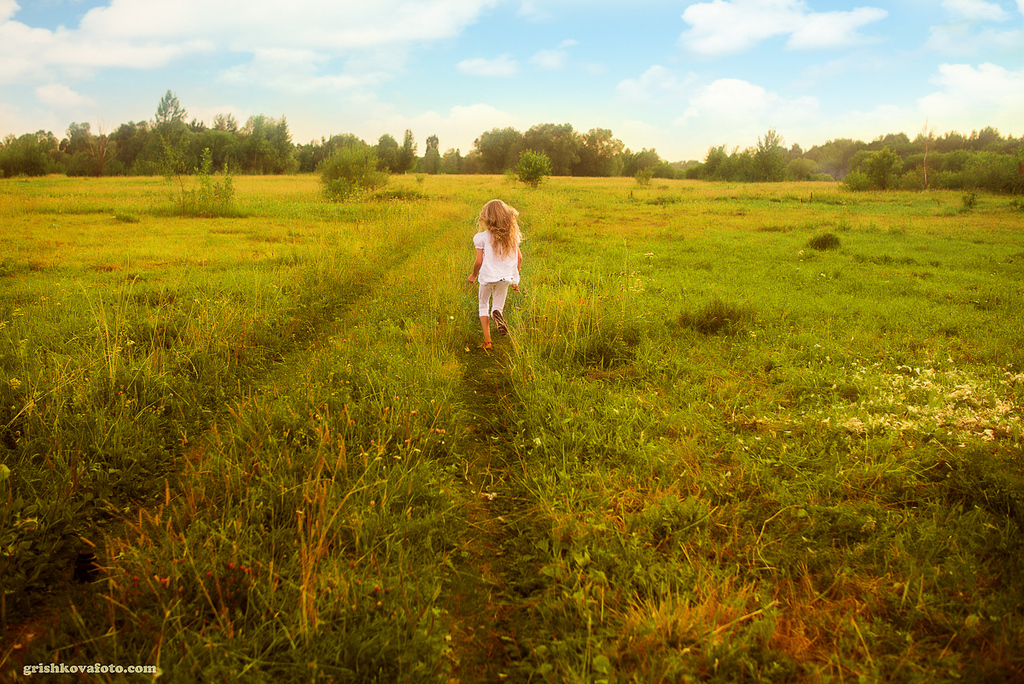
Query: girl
(498,260)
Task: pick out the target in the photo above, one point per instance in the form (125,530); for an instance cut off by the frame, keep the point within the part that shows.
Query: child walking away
(498,260)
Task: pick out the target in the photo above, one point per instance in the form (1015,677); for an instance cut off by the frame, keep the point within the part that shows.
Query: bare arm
(477,265)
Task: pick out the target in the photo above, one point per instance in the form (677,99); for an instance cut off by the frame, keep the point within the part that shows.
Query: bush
(207,197)
(349,171)
(716,318)
(857,181)
(210,197)
(533,168)
(823,242)
(643,177)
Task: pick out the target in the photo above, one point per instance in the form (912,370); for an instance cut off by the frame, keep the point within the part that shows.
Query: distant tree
(600,154)
(223,147)
(432,158)
(225,122)
(834,156)
(451,162)
(169,111)
(32,154)
(101,150)
(987,139)
(387,154)
(559,143)
(266,146)
(801,169)
(499,149)
(770,158)
(882,169)
(132,140)
(77,140)
(407,154)
(632,162)
(926,137)
(716,163)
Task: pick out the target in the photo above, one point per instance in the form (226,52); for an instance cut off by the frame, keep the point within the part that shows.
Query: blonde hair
(500,219)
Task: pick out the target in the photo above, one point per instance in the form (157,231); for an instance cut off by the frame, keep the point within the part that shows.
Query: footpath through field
(484,593)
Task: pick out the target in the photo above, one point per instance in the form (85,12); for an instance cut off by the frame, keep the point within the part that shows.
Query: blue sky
(676,76)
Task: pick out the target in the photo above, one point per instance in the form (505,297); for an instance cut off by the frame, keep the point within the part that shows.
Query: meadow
(738,433)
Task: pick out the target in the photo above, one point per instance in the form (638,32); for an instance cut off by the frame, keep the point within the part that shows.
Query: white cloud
(656,83)
(966,35)
(826,30)
(724,27)
(971,97)
(246,25)
(296,71)
(552,60)
(734,111)
(960,39)
(146,34)
(978,10)
(500,66)
(59,96)
(533,11)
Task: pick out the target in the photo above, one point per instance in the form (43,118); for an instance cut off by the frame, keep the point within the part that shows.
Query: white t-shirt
(495,268)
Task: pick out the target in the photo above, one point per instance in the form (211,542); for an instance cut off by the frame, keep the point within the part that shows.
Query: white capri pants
(498,290)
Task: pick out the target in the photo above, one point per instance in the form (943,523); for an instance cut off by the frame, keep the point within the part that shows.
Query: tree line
(983,160)
(263,145)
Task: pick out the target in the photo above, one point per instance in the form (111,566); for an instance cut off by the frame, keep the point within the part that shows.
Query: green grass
(708,452)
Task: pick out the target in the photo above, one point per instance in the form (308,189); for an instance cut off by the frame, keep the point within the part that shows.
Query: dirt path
(487,635)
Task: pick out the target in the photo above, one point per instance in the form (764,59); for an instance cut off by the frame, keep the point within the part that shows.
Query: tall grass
(711,452)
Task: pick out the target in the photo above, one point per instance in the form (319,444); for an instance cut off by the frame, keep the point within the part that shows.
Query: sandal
(486,346)
(499,321)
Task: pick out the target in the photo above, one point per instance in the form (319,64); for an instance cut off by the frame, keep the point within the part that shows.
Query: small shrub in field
(349,171)
(716,318)
(643,177)
(824,241)
(970,200)
(209,197)
(533,168)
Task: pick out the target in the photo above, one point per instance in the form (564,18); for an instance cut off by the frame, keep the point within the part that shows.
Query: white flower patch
(928,401)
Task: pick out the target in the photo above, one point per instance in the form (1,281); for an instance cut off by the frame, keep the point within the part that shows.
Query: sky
(675,76)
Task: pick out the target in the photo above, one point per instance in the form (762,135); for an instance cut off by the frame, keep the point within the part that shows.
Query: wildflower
(15,383)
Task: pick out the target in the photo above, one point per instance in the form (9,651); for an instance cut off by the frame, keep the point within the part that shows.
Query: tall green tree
(770,158)
(600,154)
(499,149)
(451,161)
(169,111)
(635,162)
(559,143)
(388,153)
(406,155)
(882,169)
(432,158)
(266,146)
(32,154)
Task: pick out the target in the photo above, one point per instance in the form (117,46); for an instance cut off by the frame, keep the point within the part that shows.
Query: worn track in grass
(483,598)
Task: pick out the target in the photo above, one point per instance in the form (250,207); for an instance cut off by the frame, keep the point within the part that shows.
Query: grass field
(738,433)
